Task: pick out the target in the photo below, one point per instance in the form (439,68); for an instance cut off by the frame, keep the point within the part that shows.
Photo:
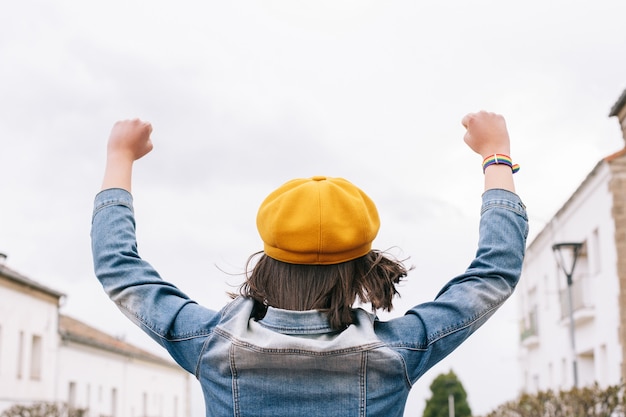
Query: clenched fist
(130,139)
(486,133)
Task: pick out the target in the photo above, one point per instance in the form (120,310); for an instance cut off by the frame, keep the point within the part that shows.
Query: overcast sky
(246,95)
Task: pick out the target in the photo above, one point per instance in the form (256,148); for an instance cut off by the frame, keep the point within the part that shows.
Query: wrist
(499,176)
(502,151)
(119,157)
(499,159)
(118,172)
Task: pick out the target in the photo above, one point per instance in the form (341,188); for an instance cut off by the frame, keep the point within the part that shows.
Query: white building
(48,357)
(595,216)
(29,347)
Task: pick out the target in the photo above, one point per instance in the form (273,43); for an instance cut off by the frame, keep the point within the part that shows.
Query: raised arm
(432,330)
(129,140)
(158,307)
(487,135)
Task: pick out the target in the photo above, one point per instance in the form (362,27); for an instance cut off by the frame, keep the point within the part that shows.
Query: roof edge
(73,330)
(607,159)
(615,155)
(564,206)
(15,276)
(619,104)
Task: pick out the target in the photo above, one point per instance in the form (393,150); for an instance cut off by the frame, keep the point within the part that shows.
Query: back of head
(317,237)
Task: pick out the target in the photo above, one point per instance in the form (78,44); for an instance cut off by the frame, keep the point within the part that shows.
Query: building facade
(28,338)
(562,347)
(48,357)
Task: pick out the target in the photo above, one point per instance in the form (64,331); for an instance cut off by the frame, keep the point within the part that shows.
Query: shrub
(590,401)
(43,409)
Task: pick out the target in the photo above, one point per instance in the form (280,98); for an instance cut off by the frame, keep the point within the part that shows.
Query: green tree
(442,387)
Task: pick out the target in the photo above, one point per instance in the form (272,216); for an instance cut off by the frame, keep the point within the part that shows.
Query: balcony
(529,329)
(582,302)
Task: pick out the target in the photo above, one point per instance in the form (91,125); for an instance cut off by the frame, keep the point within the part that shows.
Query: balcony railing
(582,299)
(529,325)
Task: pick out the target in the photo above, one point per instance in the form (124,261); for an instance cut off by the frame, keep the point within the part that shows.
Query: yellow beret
(318,220)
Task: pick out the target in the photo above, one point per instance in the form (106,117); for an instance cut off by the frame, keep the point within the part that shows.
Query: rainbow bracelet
(500,159)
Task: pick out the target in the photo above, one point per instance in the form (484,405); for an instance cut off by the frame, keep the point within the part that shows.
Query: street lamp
(566,255)
(450,405)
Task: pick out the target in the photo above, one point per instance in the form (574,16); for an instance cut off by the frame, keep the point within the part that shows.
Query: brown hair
(329,288)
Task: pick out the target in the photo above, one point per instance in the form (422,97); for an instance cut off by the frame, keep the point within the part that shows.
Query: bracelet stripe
(500,159)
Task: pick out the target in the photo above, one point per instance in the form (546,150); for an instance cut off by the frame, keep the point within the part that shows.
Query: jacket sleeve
(159,308)
(430,331)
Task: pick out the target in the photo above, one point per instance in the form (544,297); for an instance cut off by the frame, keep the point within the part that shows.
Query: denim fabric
(291,363)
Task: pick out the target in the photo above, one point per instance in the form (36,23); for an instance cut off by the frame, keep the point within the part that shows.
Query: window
(145,404)
(113,402)
(35,358)
(596,253)
(582,263)
(158,400)
(71,396)
(20,355)
(550,375)
(603,366)
(536,386)
(87,398)
(548,291)
(530,320)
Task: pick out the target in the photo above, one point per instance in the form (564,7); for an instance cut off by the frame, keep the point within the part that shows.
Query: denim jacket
(291,363)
